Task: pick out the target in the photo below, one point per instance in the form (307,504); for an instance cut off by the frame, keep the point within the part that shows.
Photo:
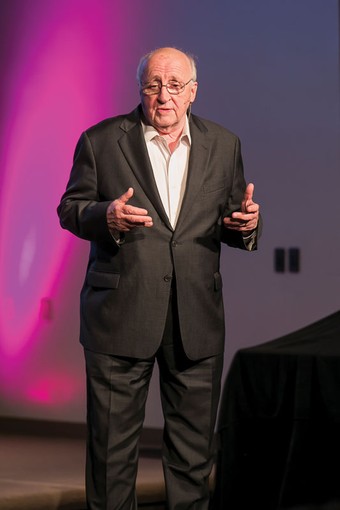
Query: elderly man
(155,192)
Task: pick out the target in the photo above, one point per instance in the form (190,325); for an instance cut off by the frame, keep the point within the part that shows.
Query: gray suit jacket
(125,296)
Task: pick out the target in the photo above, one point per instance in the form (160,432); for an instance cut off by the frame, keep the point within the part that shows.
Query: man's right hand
(122,217)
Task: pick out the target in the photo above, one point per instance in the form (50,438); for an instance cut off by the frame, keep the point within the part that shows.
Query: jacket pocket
(101,279)
(213,186)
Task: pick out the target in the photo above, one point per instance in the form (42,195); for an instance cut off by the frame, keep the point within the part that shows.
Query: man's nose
(163,95)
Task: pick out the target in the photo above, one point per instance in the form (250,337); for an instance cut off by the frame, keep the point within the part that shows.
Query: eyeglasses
(174,87)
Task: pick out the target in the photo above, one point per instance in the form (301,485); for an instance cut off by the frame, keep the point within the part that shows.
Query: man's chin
(164,122)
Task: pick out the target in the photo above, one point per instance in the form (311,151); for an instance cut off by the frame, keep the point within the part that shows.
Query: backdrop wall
(268,71)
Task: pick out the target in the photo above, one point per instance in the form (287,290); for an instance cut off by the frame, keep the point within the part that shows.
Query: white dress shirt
(170,169)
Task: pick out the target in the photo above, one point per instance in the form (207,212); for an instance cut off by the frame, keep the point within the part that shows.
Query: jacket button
(174,244)
(167,278)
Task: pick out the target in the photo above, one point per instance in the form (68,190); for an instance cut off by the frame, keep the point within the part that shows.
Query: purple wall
(267,70)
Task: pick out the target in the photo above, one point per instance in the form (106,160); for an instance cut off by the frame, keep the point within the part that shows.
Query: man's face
(165,111)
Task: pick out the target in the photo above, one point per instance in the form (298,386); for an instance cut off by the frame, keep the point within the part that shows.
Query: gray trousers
(117,389)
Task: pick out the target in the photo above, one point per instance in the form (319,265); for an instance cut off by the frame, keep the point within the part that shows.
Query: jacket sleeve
(80,210)
(234,238)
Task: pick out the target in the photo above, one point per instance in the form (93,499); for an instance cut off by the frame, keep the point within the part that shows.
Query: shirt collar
(150,132)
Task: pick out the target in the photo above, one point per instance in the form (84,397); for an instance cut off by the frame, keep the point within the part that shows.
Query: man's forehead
(175,63)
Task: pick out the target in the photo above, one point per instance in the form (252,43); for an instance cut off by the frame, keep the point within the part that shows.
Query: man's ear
(193,92)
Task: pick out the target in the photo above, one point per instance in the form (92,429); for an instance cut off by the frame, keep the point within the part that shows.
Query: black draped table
(279,424)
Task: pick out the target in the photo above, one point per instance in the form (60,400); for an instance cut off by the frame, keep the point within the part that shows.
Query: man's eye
(153,86)
(175,85)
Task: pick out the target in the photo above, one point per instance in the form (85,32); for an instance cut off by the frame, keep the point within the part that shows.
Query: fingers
(241,222)
(246,219)
(129,209)
(123,217)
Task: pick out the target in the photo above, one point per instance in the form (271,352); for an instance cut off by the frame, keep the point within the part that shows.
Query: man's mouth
(162,110)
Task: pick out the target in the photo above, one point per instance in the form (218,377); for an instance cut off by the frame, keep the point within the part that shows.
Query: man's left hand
(247,219)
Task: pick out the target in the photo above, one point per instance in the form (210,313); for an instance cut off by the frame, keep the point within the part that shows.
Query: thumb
(126,196)
(247,197)
(249,192)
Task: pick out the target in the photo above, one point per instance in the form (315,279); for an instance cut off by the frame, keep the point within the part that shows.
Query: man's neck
(172,137)
(170,134)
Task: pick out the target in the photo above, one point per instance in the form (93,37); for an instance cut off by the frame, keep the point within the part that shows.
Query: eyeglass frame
(166,85)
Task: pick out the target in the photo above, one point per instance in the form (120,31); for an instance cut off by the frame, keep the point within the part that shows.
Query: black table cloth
(279,424)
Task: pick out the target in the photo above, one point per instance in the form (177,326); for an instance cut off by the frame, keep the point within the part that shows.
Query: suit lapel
(197,165)
(133,146)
